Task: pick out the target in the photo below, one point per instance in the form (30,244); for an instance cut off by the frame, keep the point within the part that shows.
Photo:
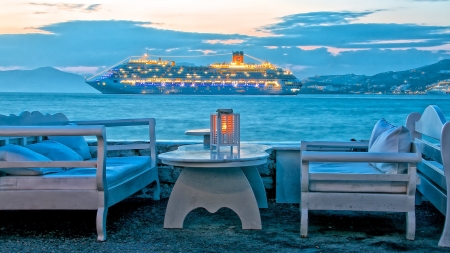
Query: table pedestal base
(212,189)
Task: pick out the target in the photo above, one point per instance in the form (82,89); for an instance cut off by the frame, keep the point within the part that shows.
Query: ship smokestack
(238,57)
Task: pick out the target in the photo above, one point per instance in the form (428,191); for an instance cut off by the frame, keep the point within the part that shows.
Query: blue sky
(309,37)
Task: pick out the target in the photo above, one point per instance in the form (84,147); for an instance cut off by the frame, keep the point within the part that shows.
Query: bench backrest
(431,132)
(33,119)
(29,119)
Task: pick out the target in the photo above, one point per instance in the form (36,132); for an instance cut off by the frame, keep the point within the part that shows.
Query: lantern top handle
(224,111)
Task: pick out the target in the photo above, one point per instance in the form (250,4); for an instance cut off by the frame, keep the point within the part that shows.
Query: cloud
(205,52)
(337,48)
(295,68)
(334,29)
(69,7)
(81,69)
(314,19)
(226,42)
(6,68)
(93,7)
(391,42)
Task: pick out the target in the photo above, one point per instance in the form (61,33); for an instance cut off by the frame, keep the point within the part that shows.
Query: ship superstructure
(139,75)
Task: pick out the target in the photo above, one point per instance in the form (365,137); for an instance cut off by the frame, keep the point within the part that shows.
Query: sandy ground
(136,225)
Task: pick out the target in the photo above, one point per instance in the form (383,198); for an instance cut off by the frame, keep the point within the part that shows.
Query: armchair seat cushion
(366,186)
(118,169)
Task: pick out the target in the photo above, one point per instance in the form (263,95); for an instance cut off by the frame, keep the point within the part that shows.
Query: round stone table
(213,180)
(200,132)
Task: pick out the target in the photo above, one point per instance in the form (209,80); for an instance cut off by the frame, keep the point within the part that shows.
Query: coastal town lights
(224,129)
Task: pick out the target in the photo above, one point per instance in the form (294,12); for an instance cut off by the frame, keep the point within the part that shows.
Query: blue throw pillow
(55,151)
(16,153)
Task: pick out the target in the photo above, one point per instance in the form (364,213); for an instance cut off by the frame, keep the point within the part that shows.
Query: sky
(314,37)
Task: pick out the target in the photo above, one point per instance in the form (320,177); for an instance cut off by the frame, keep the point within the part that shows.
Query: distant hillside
(44,79)
(408,80)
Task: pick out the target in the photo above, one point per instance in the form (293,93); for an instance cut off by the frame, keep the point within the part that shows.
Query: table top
(193,155)
(198,132)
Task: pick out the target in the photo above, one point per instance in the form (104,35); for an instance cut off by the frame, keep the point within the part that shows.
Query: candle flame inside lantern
(227,124)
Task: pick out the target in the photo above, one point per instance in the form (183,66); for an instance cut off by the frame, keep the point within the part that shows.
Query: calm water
(274,118)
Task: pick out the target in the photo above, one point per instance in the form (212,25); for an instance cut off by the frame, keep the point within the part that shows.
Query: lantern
(224,129)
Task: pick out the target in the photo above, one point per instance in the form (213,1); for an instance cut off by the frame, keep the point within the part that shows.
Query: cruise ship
(140,75)
(442,88)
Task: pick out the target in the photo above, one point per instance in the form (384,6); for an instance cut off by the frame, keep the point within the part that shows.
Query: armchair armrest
(330,145)
(312,156)
(93,130)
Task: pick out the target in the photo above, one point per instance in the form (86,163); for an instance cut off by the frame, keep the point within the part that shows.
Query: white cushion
(118,170)
(394,140)
(381,126)
(55,151)
(16,153)
(76,143)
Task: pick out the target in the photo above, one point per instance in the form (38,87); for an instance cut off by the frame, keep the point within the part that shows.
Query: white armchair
(345,180)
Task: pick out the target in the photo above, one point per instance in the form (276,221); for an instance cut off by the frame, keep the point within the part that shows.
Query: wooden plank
(51,131)
(434,173)
(334,146)
(359,177)
(124,147)
(48,200)
(360,157)
(433,193)
(429,150)
(51,164)
(359,201)
(118,122)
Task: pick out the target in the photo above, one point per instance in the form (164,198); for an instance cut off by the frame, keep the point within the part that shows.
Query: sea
(263,118)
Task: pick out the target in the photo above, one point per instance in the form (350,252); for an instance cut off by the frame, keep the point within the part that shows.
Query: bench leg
(102,212)
(445,237)
(212,189)
(156,190)
(410,225)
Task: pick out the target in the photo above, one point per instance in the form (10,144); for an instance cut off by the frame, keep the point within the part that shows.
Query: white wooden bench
(91,184)
(432,133)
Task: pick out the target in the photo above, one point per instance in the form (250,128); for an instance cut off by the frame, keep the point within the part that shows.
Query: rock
(267,182)
(168,174)
(264,170)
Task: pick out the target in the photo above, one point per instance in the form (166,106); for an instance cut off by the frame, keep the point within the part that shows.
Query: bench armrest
(93,130)
(151,122)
